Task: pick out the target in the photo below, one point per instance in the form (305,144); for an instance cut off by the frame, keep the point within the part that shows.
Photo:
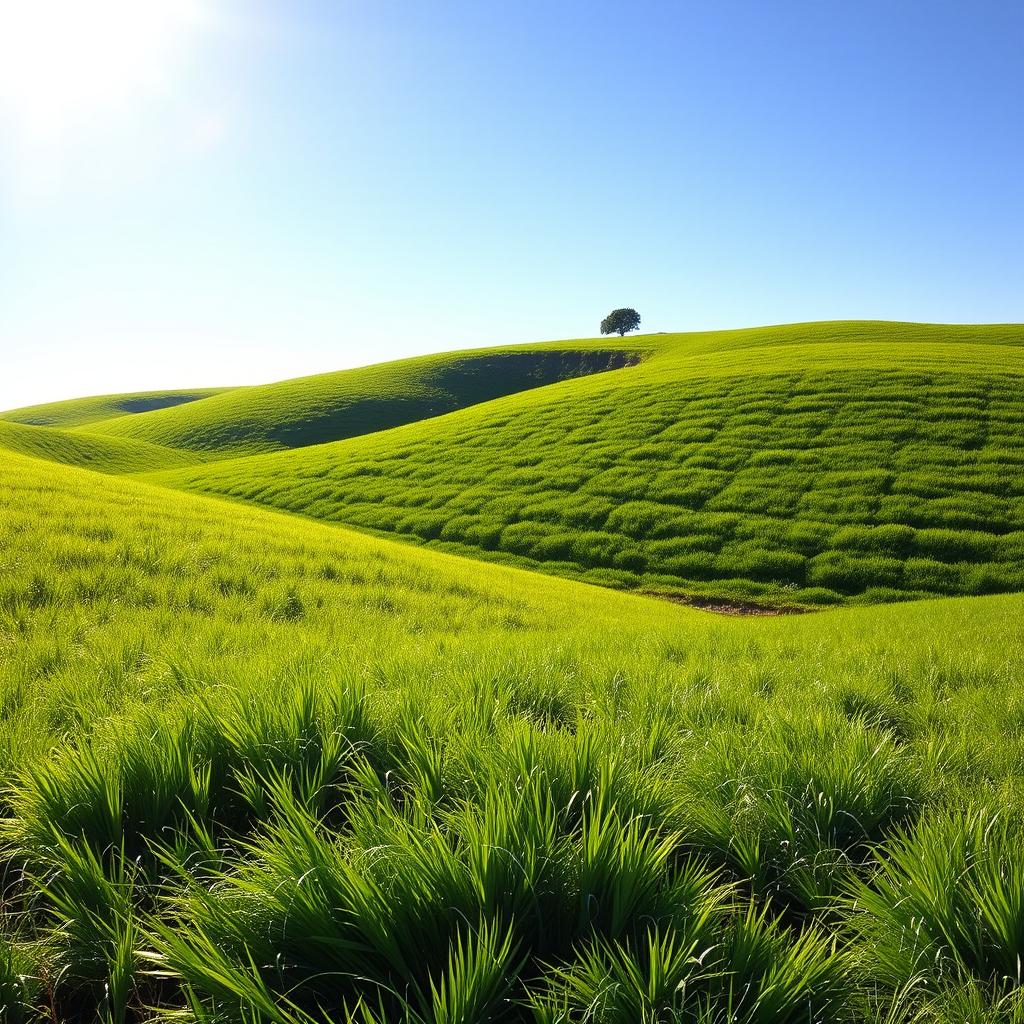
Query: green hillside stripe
(78,412)
(103,454)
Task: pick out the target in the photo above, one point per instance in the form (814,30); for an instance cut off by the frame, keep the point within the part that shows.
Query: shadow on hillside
(148,403)
(454,385)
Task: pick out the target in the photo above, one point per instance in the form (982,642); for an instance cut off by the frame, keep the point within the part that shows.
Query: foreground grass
(811,464)
(262,769)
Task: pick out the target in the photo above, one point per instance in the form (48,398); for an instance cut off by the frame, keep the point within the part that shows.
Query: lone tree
(618,321)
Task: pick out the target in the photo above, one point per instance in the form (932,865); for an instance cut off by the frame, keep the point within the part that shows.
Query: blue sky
(236,191)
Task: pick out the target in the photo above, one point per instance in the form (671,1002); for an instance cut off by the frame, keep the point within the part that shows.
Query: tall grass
(439,791)
(946,903)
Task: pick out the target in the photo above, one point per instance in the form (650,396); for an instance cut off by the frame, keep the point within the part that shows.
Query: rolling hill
(77,412)
(326,407)
(799,465)
(113,455)
(263,768)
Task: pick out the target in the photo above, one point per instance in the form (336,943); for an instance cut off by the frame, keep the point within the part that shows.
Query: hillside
(136,593)
(312,410)
(262,768)
(90,451)
(77,412)
(806,464)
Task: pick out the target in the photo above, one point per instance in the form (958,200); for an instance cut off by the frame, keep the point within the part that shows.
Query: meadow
(264,769)
(808,465)
(79,412)
(113,455)
(326,407)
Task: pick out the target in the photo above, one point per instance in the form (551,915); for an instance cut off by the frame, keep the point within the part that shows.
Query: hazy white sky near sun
(203,192)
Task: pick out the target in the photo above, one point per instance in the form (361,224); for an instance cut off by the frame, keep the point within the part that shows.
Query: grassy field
(77,412)
(329,406)
(803,465)
(264,769)
(114,455)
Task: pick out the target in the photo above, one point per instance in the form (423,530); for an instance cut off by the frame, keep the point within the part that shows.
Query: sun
(65,62)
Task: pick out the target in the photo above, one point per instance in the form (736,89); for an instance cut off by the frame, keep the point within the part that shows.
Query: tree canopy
(618,321)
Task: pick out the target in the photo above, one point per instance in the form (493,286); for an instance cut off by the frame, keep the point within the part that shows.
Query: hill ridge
(310,410)
(78,412)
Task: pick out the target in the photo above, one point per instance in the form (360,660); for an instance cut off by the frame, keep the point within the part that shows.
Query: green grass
(312,410)
(265,769)
(260,768)
(77,412)
(810,464)
(89,451)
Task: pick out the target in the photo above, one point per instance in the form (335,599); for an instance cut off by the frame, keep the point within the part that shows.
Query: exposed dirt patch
(723,607)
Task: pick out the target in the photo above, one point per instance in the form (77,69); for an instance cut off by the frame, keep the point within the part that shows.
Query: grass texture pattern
(261,768)
(806,465)
(265,769)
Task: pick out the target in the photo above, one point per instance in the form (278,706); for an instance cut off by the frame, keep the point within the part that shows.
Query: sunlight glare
(63,62)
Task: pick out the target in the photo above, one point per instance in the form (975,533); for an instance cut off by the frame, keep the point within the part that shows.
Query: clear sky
(215,192)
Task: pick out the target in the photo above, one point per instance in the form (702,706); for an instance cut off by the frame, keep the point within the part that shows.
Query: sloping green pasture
(329,406)
(89,451)
(809,464)
(77,412)
(264,769)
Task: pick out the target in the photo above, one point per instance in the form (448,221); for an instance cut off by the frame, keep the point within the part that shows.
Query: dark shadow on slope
(147,403)
(454,385)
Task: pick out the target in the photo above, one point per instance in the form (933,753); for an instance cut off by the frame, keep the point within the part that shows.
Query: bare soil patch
(724,607)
